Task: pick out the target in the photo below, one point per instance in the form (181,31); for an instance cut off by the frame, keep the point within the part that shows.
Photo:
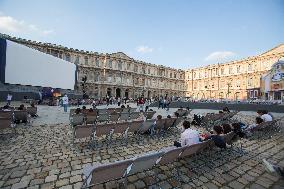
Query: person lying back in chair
(188,136)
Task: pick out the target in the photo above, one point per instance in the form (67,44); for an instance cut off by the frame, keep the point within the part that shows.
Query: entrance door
(118,92)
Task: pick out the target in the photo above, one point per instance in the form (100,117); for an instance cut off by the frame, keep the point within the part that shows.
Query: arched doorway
(118,92)
(237,96)
(109,92)
(126,94)
(149,94)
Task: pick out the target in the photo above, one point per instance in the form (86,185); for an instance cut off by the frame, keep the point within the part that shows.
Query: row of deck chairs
(183,113)
(122,130)
(94,175)
(93,117)
(266,129)
(7,118)
(106,111)
(210,120)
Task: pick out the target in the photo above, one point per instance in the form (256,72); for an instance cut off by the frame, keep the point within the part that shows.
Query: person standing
(118,101)
(147,103)
(65,102)
(9,99)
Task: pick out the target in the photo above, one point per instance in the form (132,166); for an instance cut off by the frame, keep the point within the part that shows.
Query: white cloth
(65,100)
(189,137)
(266,117)
(9,97)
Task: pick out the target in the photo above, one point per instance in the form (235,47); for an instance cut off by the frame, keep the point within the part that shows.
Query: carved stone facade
(117,74)
(233,80)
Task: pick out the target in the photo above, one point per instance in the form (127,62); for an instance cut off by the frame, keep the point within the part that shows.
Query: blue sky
(175,33)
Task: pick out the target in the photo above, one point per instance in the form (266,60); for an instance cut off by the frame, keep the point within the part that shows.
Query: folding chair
(149,115)
(160,124)
(146,126)
(77,119)
(124,116)
(91,117)
(103,130)
(82,131)
(134,115)
(102,111)
(170,157)
(145,162)
(131,110)
(22,115)
(32,111)
(169,123)
(103,118)
(104,173)
(114,117)
(122,128)
(134,127)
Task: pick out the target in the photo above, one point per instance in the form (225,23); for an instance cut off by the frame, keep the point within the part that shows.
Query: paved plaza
(42,156)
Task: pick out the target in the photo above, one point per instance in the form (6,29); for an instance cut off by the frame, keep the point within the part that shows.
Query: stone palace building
(118,75)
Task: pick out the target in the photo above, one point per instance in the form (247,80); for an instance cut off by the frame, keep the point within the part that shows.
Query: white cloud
(220,56)
(144,49)
(9,24)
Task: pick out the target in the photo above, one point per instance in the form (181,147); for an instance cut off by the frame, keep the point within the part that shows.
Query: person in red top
(141,103)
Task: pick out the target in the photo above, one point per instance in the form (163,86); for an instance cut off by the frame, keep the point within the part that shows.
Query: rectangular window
(249,67)
(67,57)
(86,60)
(77,60)
(135,68)
(119,65)
(238,69)
(110,63)
(97,62)
(222,71)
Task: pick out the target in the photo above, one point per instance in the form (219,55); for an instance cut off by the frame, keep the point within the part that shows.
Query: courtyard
(41,155)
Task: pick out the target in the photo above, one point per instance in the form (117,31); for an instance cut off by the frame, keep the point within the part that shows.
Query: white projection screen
(27,66)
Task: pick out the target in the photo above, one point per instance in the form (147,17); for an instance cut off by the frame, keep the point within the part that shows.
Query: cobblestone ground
(43,157)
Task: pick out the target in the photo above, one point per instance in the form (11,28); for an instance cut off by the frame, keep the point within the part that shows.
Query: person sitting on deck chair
(264,115)
(188,136)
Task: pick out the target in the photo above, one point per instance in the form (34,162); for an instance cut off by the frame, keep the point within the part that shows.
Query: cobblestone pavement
(43,157)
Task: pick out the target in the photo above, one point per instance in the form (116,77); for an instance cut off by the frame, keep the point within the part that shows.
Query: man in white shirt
(188,136)
(9,99)
(65,101)
(264,115)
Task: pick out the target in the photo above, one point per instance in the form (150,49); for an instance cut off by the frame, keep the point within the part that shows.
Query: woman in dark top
(217,137)
(226,128)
